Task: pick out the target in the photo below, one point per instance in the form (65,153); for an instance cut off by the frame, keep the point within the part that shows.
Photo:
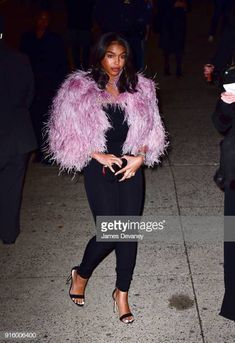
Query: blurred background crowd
(57,37)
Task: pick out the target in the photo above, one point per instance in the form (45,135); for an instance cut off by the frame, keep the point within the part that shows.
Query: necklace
(112,85)
(113,82)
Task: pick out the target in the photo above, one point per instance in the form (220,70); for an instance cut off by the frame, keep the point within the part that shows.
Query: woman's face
(114,59)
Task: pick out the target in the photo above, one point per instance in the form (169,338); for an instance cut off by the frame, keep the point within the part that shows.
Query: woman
(98,120)
(224,120)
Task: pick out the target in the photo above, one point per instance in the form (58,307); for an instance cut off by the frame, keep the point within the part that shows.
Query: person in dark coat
(47,55)
(225,52)
(226,48)
(222,9)
(171,25)
(80,22)
(130,19)
(224,121)
(17,138)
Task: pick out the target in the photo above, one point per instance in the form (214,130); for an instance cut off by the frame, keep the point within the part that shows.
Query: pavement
(177,287)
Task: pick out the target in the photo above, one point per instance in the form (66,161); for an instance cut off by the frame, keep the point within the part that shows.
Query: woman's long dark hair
(128,78)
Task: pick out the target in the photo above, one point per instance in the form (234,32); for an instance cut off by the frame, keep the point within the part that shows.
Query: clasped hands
(133,163)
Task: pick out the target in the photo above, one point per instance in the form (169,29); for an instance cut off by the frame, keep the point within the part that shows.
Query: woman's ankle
(121,290)
(121,294)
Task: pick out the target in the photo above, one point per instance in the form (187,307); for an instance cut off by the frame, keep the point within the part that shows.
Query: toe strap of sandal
(129,314)
(77,296)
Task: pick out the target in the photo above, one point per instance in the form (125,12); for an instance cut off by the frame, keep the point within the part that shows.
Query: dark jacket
(48,59)
(226,48)
(49,64)
(16,93)
(225,52)
(171,24)
(124,17)
(224,121)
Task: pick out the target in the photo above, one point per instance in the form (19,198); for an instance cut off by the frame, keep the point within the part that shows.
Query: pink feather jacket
(78,124)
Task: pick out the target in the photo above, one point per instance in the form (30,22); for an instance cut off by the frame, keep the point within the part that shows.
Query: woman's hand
(133,164)
(228,97)
(107,160)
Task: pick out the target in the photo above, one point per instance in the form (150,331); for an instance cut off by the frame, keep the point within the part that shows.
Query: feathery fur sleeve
(69,130)
(146,130)
(156,138)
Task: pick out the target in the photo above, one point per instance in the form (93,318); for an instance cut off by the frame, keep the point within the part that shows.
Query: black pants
(12,171)
(108,197)
(228,305)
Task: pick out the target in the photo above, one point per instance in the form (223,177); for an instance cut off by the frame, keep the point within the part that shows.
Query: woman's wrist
(95,155)
(142,155)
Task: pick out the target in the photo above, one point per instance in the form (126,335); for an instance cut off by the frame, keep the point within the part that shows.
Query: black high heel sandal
(75,296)
(124,316)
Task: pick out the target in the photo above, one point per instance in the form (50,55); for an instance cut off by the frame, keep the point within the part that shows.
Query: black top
(116,135)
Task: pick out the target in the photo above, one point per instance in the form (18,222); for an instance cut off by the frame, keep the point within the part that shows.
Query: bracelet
(141,154)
